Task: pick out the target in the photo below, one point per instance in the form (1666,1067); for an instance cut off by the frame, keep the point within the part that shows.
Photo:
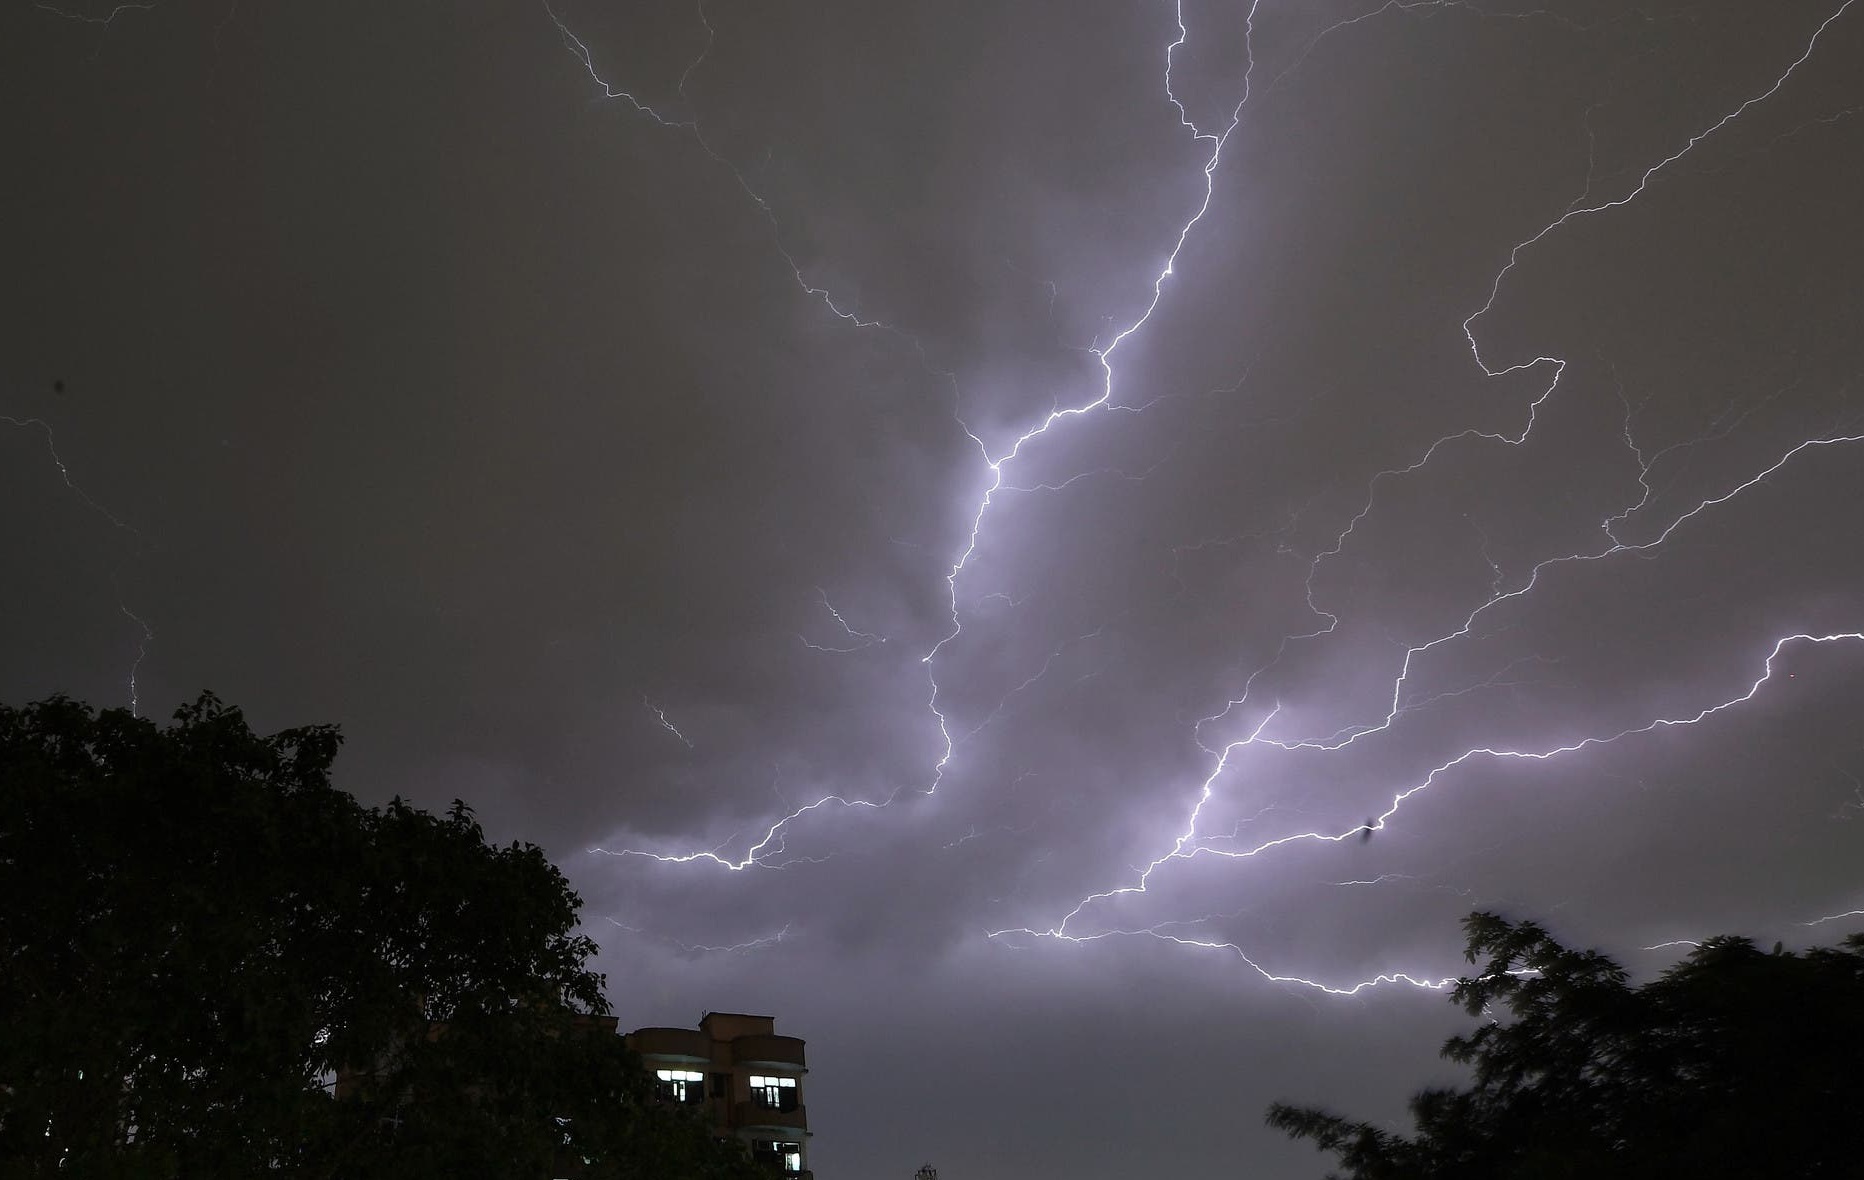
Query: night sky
(1059,586)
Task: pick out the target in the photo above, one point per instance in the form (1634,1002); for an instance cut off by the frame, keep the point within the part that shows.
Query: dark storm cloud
(448,397)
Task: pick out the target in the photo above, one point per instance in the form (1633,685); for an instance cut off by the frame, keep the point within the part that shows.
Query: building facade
(747,1078)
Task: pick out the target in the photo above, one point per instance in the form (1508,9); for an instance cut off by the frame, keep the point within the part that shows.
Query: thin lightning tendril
(693,948)
(858,639)
(105,20)
(691,126)
(147,637)
(660,717)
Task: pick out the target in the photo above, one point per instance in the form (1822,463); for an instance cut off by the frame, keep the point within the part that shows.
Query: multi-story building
(747,1078)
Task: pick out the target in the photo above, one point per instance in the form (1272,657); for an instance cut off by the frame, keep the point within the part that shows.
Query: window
(785,1153)
(679,1085)
(773,1093)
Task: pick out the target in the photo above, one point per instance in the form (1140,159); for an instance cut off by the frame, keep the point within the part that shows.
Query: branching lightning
(996,464)
(1186,845)
(1259,723)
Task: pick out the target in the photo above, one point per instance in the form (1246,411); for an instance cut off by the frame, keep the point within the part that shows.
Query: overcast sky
(1207,496)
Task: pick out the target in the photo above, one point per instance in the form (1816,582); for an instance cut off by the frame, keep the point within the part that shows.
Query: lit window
(784,1153)
(679,1085)
(773,1093)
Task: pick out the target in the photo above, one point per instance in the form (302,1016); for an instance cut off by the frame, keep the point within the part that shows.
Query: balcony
(749,1115)
(671,1044)
(780,1052)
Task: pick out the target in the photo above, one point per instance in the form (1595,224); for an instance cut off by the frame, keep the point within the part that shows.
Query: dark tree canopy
(1734,1063)
(199,931)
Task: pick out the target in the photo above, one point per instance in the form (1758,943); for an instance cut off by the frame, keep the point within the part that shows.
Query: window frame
(683,1086)
(785,1153)
(775,1092)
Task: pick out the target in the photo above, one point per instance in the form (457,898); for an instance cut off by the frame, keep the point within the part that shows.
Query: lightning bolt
(857,639)
(770,845)
(1834,918)
(691,127)
(694,948)
(142,653)
(64,472)
(660,716)
(1187,845)
(1814,922)
(105,20)
(996,462)
(147,634)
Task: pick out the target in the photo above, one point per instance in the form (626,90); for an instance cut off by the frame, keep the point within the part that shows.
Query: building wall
(729,1049)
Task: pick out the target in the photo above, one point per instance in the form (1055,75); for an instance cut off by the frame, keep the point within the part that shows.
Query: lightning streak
(1834,918)
(995,465)
(692,948)
(1425,982)
(857,639)
(660,716)
(1533,580)
(1814,922)
(142,653)
(1186,845)
(583,54)
(105,20)
(64,473)
(770,845)
(1189,843)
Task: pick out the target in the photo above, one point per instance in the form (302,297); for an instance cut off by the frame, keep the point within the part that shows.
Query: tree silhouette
(1733,1063)
(199,932)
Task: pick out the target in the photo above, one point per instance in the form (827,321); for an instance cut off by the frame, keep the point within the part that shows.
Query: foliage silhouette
(1733,1063)
(199,932)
